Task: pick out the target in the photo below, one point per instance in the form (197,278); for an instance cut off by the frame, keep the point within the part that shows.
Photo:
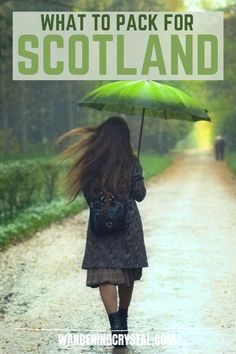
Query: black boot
(116,329)
(123,318)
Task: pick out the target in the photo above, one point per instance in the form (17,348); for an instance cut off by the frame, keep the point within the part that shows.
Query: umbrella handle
(141,131)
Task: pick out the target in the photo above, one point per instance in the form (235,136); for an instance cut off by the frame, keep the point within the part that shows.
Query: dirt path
(189,289)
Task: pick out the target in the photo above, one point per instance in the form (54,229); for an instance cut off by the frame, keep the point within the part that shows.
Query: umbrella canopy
(145,98)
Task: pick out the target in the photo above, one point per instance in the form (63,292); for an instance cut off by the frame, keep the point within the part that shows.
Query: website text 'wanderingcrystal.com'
(105,339)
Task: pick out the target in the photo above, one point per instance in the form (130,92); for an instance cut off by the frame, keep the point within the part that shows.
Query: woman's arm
(138,190)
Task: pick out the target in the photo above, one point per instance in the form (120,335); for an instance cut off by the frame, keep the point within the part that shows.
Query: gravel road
(188,292)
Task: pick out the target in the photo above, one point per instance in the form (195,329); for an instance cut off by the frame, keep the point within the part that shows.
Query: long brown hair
(104,153)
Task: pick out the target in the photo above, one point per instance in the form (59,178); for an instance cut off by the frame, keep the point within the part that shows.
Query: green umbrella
(145,98)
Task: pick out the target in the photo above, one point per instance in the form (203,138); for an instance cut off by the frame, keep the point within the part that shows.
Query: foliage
(231,161)
(37,217)
(154,164)
(34,113)
(23,184)
(221,94)
(40,213)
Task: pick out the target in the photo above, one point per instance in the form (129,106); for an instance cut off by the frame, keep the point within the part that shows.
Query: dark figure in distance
(219,147)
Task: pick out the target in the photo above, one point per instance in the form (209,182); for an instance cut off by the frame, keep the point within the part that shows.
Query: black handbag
(107,214)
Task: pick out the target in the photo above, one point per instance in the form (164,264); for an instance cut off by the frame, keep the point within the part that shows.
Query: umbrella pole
(141,131)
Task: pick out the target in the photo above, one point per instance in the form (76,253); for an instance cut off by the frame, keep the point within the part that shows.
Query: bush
(37,217)
(29,195)
(23,184)
(231,161)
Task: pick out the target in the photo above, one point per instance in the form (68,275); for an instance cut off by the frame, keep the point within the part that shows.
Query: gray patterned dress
(119,258)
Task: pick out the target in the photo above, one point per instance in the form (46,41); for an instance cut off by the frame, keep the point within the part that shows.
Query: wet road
(187,292)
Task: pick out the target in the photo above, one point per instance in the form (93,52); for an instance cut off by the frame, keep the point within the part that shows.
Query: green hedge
(30,195)
(30,182)
(231,161)
(37,217)
(25,183)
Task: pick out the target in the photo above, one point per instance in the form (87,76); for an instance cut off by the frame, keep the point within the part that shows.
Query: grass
(154,164)
(25,157)
(37,217)
(231,161)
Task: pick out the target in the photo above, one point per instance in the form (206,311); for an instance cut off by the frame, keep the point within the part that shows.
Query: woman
(104,161)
